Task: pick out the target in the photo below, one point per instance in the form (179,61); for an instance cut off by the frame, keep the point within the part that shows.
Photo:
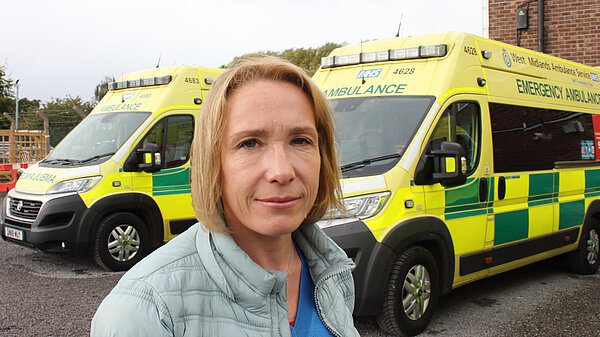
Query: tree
(7,102)
(308,59)
(62,116)
(6,84)
(28,120)
(102,88)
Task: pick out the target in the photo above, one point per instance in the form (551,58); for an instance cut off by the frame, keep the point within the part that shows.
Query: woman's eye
(249,143)
(301,141)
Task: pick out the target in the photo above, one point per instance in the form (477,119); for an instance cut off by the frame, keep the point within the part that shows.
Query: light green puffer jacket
(203,284)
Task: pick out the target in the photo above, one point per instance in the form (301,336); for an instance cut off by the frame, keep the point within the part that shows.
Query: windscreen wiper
(96,157)
(366,162)
(60,160)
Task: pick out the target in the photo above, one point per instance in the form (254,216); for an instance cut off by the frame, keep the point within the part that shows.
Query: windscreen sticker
(587,149)
(594,77)
(366,90)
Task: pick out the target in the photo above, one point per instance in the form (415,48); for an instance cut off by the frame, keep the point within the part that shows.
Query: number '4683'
(192,80)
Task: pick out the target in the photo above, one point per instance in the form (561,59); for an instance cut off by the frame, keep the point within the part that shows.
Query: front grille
(17,223)
(25,209)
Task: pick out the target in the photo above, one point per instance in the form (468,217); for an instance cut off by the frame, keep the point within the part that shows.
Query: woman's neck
(273,253)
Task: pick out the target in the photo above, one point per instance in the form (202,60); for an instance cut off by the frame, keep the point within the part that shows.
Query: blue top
(307,321)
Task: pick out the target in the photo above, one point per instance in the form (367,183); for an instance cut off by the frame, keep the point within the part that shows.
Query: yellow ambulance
(117,186)
(462,158)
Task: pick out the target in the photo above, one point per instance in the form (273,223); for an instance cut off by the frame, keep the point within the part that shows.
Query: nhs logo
(595,77)
(369,73)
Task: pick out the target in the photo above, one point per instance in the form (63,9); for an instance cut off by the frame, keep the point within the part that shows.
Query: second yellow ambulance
(117,186)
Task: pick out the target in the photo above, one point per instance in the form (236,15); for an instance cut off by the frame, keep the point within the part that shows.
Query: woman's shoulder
(179,256)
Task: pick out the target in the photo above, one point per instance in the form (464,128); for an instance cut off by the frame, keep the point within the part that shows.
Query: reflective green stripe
(592,194)
(540,202)
(170,177)
(541,186)
(171,188)
(459,215)
(511,226)
(592,180)
(172,192)
(467,194)
(571,214)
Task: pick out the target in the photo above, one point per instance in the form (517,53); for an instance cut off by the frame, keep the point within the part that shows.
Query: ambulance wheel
(121,241)
(412,293)
(586,259)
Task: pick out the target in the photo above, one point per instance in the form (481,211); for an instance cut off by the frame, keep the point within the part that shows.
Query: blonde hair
(206,182)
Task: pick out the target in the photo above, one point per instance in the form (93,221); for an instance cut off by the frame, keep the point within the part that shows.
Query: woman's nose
(279,165)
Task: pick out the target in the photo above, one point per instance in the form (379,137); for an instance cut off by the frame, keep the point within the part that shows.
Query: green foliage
(62,116)
(307,58)
(5,84)
(7,103)
(102,88)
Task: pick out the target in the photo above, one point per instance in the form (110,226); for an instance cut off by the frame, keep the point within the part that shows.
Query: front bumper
(47,222)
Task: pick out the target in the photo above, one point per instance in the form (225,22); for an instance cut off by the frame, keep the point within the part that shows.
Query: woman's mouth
(279,201)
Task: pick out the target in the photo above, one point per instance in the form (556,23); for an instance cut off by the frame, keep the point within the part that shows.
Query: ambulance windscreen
(96,138)
(372,132)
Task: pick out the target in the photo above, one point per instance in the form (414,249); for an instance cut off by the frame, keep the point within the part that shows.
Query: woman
(264,169)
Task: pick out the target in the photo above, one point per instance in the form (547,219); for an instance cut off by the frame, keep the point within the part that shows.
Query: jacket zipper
(317,301)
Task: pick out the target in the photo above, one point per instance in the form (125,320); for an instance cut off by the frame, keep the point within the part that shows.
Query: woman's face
(270,159)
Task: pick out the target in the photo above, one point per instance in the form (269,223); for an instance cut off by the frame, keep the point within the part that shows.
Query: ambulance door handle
(501,188)
(483,189)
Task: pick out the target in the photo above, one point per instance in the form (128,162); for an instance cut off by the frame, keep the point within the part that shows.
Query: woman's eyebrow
(260,132)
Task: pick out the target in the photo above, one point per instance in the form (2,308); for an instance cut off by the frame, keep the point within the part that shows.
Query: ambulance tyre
(412,293)
(122,240)
(586,259)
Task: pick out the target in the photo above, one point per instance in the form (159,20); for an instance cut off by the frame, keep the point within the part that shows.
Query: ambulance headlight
(362,206)
(79,185)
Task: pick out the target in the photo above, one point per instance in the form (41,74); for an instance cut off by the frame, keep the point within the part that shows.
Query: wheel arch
(432,234)
(592,212)
(429,232)
(141,205)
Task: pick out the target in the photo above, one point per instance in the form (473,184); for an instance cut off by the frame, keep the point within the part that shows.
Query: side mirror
(150,159)
(447,166)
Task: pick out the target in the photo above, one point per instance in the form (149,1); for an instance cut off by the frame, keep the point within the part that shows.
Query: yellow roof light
(142,82)
(435,50)
(346,59)
(375,56)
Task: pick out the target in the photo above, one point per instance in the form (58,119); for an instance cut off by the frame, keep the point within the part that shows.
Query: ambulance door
(170,187)
(463,207)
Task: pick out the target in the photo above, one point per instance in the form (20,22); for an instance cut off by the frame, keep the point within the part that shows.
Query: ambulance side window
(173,135)
(530,139)
(460,123)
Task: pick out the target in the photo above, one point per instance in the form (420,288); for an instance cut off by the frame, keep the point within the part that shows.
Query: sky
(66,47)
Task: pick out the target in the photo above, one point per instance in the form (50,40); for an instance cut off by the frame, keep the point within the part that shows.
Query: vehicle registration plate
(13,233)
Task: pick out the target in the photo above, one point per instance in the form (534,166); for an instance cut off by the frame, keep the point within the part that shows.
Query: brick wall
(572,27)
